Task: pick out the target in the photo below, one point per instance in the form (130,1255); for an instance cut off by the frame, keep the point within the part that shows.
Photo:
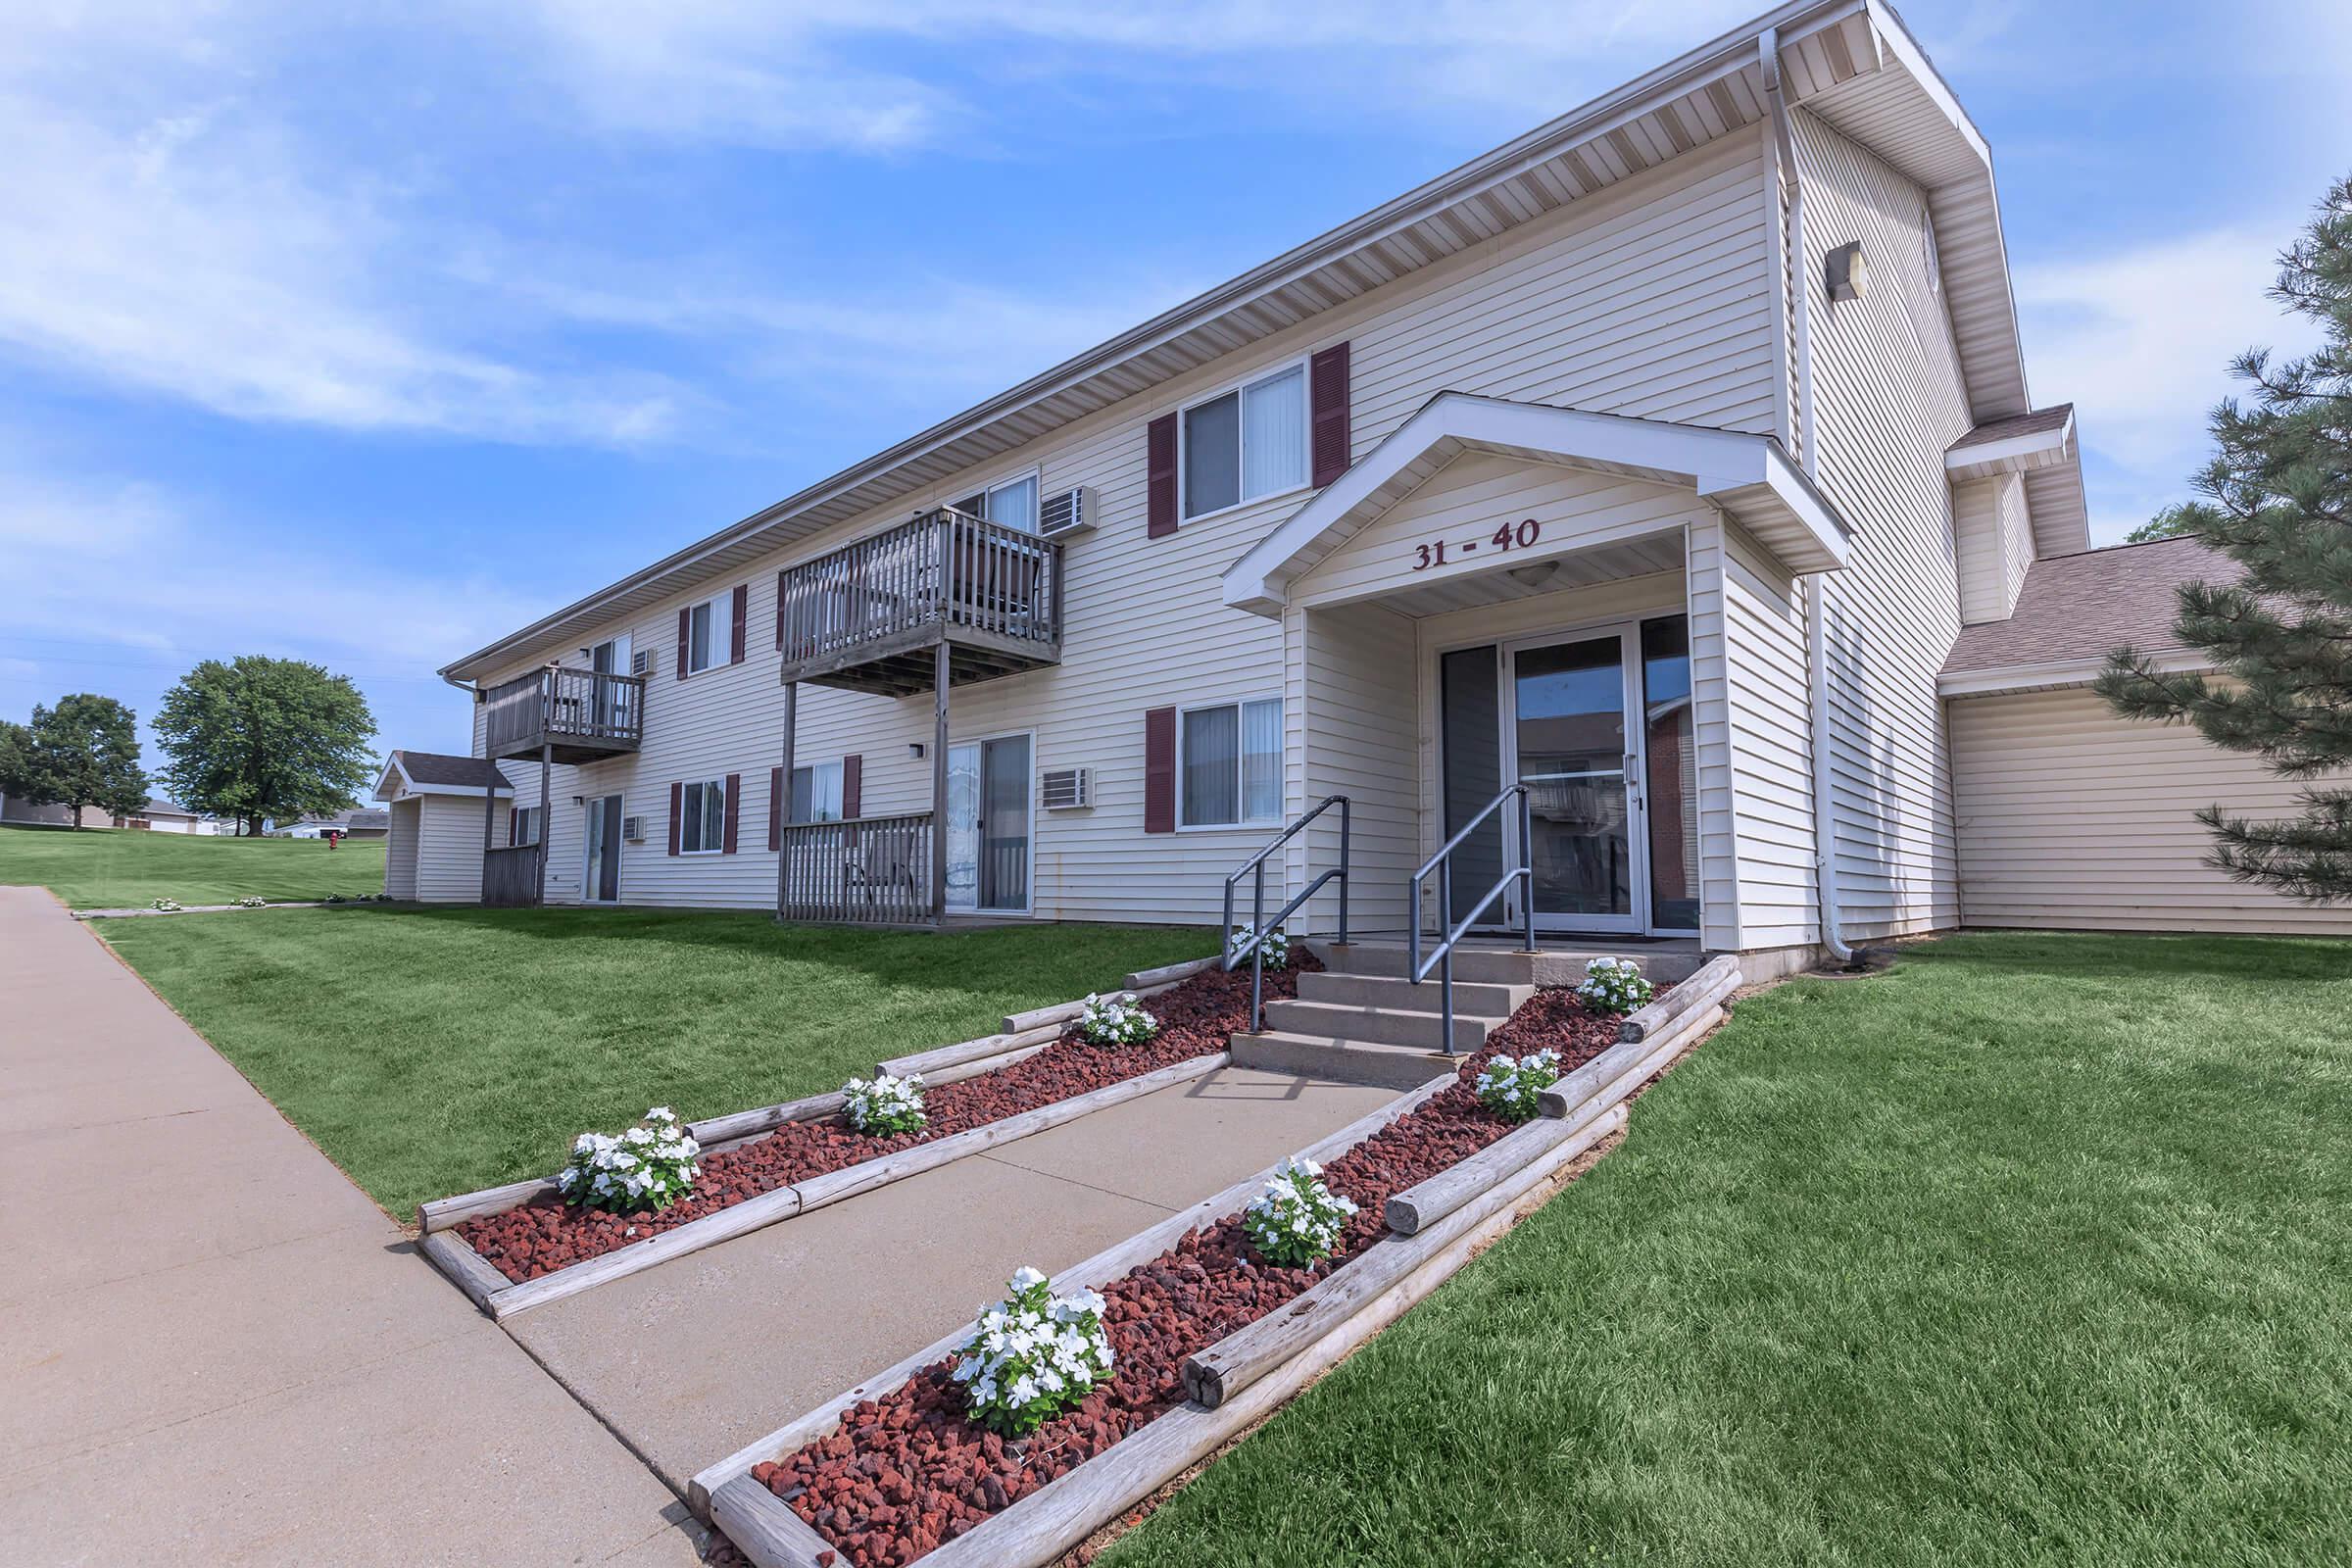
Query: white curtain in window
(1015,505)
(715,816)
(1211,766)
(1274,434)
(721,633)
(1261,761)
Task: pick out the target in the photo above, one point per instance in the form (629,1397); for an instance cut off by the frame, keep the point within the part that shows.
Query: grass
(436,1050)
(2034,1250)
(130,868)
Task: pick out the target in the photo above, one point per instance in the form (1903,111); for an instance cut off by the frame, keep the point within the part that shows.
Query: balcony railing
(583,714)
(991,591)
(873,871)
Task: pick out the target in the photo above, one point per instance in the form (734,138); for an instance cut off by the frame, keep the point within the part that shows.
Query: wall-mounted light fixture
(914,749)
(1537,576)
(1844,272)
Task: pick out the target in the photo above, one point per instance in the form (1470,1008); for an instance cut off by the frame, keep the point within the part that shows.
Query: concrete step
(1484,965)
(1395,991)
(1384,1026)
(1356,1062)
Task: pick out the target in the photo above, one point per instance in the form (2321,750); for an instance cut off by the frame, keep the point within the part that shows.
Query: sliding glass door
(988,824)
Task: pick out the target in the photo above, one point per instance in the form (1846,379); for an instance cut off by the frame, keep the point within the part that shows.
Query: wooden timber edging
(1245,1377)
(464,1265)
(1037,1026)
(1094,1273)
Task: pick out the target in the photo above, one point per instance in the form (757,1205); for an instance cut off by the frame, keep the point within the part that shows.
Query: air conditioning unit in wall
(641,661)
(633,829)
(1065,789)
(1068,513)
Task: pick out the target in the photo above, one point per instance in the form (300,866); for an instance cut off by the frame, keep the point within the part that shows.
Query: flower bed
(1196,1016)
(904,1472)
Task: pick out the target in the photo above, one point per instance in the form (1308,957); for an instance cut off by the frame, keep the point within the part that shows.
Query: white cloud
(2140,340)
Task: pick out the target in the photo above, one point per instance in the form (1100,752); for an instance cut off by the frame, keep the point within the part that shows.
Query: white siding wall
(1888,402)
(1994,542)
(1358,728)
(1653,298)
(2071,817)
(449,849)
(400,850)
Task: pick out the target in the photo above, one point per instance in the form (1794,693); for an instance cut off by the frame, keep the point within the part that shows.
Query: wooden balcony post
(547,764)
(938,784)
(780,807)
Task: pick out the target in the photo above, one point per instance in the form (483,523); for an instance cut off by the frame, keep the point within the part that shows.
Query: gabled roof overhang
(1746,477)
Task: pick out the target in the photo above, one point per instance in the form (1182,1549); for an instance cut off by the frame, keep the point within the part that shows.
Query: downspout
(1799,283)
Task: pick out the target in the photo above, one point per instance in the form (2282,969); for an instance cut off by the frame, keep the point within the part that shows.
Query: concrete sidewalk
(694,1359)
(220,1352)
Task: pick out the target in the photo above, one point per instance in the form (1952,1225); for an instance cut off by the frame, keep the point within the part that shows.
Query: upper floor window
(707,634)
(1229,763)
(1245,442)
(703,818)
(816,793)
(1011,505)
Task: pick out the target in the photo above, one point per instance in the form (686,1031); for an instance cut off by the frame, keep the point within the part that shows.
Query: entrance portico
(1602,608)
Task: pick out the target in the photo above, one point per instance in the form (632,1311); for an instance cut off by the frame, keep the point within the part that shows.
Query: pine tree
(2277,503)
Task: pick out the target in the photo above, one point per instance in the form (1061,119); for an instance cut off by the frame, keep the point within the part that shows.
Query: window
(709,637)
(816,793)
(527,823)
(703,818)
(1935,260)
(1247,443)
(1229,763)
(1013,504)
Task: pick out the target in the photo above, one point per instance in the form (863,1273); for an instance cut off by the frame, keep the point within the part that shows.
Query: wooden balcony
(580,714)
(868,616)
(873,871)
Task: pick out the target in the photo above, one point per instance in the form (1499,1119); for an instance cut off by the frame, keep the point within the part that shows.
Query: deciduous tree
(256,738)
(84,752)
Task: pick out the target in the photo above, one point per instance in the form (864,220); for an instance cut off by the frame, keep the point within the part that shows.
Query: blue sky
(366,333)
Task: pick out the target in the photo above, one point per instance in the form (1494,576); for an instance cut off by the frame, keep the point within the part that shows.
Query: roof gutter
(1799,281)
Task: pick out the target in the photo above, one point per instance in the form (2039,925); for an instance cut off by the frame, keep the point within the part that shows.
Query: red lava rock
(1159,1313)
(1196,1016)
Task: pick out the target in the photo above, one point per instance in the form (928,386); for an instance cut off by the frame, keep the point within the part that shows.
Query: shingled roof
(2039,421)
(440,767)
(2084,606)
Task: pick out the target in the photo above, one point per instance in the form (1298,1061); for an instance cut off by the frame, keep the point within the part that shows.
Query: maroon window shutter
(677,811)
(685,631)
(736,628)
(734,798)
(1327,391)
(780,609)
(1160,477)
(775,808)
(1159,770)
(852,786)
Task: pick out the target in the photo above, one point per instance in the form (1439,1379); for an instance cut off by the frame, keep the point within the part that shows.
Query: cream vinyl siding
(1888,402)
(1653,299)
(2073,818)
(1353,712)
(1994,542)
(400,849)
(449,847)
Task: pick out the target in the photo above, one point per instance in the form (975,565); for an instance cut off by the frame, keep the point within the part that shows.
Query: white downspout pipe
(1817,651)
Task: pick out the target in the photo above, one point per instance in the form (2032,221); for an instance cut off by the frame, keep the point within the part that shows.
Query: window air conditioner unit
(1065,789)
(641,661)
(1066,513)
(632,828)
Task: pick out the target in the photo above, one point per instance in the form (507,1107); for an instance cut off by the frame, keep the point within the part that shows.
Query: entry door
(1569,740)
(601,881)
(988,824)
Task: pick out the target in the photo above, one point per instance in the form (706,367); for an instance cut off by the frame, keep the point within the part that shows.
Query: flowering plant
(883,1104)
(652,1165)
(1276,950)
(166,906)
(1116,1020)
(1297,1219)
(252,900)
(1509,1085)
(1032,1356)
(1613,985)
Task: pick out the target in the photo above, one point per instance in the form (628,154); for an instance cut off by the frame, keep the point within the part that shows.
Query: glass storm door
(988,824)
(1571,745)
(601,880)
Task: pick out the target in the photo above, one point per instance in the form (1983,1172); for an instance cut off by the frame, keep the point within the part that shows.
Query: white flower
(1025,1279)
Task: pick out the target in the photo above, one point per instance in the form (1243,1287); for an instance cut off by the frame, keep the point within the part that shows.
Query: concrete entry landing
(689,1362)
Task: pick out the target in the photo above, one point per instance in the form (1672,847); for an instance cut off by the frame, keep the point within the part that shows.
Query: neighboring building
(437,805)
(346,824)
(160,816)
(24,813)
(1657,460)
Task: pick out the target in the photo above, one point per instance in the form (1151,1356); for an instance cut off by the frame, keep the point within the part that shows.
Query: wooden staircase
(1361,1020)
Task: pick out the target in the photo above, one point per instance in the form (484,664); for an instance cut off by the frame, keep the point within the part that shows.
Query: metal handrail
(1442,863)
(1254,948)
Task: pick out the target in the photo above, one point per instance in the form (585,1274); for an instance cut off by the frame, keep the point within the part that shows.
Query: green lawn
(2038,1250)
(127,868)
(431,1051)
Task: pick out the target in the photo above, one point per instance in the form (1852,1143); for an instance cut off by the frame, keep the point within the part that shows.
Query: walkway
(220,1352)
